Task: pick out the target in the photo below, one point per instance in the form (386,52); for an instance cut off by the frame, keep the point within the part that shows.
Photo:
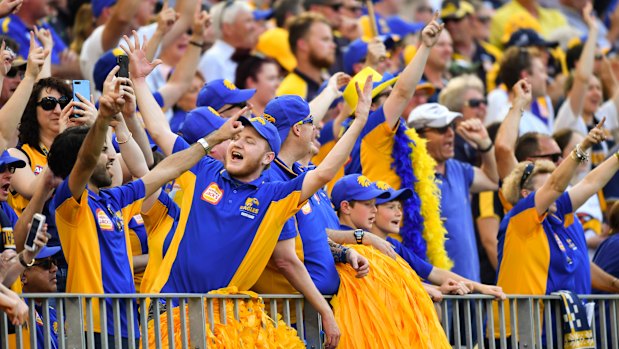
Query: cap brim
(240,96)
(48,251)
(369,194)
(9,160)
(442,122)
(262,15)
(426,86)
(245,121)
(402,194)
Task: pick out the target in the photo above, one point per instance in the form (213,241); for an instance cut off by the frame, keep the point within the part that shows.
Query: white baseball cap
(432,115)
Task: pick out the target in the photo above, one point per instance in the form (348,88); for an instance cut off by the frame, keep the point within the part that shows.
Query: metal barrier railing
(472,317)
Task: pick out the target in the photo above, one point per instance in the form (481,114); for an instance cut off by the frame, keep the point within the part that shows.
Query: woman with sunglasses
(541,247)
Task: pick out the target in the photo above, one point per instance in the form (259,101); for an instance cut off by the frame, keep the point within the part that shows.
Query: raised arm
(320,104)
(11,112)
(185,10)
(132,153)
(405,87)
(154,118)
(594,181)
(6,60)
(336,158)
(583,72)
(556,184)
(110,106)
(165,21)
(134,124)
(183,74)
(486,176)
(119,23)
(45,37)
(176,164)
(507,135)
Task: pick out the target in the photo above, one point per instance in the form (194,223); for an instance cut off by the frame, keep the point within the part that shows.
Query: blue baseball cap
(99,5)
(199,123)
(220,92)
(285,111)
(266,129)
(262,15)
(355,187)
(401,27)
(104,66)
(358,49)
(401,194)
(47,251)
(527,38)
(7,159)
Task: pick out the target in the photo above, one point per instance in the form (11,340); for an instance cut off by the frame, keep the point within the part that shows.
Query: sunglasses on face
(307,120)
(527,173)
(554,157)
(13,72)
(232,106)
(49,103)
(476,102)
(353,8)
(483,19)
(425,9)
(444,129)
(45,264)
(7,167)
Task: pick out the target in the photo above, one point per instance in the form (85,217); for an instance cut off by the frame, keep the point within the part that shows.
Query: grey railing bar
(103,318)
(299,311)
(144,323)
(197,321)
(170,318)
(468,328)
(479,322)
(157,322)
(46,324)
(273,310)
(183,314)
(118,339)
(130,322)
(490,317)
(548,323)
(90,323)
(513,304)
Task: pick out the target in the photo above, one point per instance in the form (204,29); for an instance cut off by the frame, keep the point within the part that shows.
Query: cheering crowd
(386,153)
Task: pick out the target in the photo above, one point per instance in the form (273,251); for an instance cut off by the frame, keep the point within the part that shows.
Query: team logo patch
(383,185)
(250,209)
(364,181)
(38,169)
(259,119)
(105,223)
(229,85)
(269,118)
(213,111)
(212,194)
(306,209)
(138,219)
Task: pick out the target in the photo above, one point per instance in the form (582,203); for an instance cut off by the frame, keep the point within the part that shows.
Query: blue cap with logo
(399,195)
(285,111)
(199,123)
(355,187)
(99,5)
(266,129)
(7,159)
(104,66)
(220,92)
(47,251)
(358,49)
(401,27)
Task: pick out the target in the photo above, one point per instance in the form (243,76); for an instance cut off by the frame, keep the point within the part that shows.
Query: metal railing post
(197,323)
(75,327)
(526,334)
(311,318)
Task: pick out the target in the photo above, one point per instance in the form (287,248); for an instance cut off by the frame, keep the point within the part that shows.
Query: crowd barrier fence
(471,315)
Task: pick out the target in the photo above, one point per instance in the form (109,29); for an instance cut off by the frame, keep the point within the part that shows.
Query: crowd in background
(387,155)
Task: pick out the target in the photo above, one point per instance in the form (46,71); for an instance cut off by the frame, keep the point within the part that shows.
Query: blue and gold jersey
(297,83)
(227,229)
(313,220)
(139,244)
(372,154)
(541,255)
(160,221)
(8,219)
(13,27)
(93,233)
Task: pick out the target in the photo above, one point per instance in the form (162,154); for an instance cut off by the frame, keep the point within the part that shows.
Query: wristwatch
(205,145)
(23,262)
(359,234)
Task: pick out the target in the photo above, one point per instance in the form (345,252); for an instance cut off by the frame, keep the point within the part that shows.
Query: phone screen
(83,88)
(32,234)
(123,63)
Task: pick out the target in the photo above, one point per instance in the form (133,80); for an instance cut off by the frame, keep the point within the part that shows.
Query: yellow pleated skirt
(389,308)
(254,329)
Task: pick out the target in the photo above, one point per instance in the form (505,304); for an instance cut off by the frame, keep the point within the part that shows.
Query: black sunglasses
(476,102)
(5,167)
(240,105)
(49,103)
(554,157)
(527,173)
(46,263)
(444,129)
(13,72)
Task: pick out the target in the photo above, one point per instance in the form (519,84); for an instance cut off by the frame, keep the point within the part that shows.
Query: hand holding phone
(83,88)
(36,225)
(123,62)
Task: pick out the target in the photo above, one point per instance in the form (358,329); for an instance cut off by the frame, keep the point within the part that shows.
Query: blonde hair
(451,95)
(82,28)
(511,185)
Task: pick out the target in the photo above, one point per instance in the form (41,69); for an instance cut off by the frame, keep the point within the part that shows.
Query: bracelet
(196,44)
(486,149)
(521,110)
(343,255)
(126,140)
(23,262)
(579,155)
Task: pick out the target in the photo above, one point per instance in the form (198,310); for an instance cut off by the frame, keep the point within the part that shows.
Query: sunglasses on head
(49,103)
(476,102)
(7,167)
(554,157)
(45,264)
(527,173)
(307,120)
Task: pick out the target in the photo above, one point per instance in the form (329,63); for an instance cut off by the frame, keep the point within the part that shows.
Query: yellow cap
(273,43)
(380,83)
(456,9)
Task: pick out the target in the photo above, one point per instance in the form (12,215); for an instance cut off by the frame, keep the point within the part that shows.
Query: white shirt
(529,122)
(216,63)
(567,119)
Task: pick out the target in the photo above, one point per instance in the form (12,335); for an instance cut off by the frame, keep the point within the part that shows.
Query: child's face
(363,214)
(389,217)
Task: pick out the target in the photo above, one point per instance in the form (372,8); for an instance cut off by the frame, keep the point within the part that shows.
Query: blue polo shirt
(53,329)
(94,236)
(227,230)
(8,219)
(458,219)
(421,267)
(313,220)
(13,27)
(607,258)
